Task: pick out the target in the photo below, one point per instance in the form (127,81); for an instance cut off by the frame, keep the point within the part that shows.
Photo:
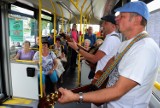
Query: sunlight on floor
(18,101)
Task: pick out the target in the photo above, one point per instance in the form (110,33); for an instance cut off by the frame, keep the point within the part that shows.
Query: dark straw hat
(109,18)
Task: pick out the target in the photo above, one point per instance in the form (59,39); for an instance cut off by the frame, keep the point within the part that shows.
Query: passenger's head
(53,31)
(26,45)
(45,44)
(58,40)
(37,40)
(62,35)
(87,43)
(99,41)
(131,15)
(74,27)
(90,30)
(18,44)
(109,24)
(51,35)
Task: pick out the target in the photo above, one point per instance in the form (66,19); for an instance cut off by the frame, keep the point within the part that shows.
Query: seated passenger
(51,37)
(36,45)
(59,50)
(64,43)
(25,53)
(18,44)
(87,43)
(98,42)
(49,64)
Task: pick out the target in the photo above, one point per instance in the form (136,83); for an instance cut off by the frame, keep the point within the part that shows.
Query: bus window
(21,28)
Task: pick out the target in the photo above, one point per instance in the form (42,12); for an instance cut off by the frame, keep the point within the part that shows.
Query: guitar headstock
(68,38)
(49,100)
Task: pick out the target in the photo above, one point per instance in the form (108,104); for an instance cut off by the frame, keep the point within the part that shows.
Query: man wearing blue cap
(131,85)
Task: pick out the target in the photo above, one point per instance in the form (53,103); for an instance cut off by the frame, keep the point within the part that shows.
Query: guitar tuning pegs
(56,92)
(48,100)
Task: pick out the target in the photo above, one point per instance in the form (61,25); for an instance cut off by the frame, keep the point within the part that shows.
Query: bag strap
(116,35)
(104,76)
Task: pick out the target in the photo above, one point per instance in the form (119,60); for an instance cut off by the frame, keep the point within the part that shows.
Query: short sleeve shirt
(139,64)
(25,56)
(109,47)
(47,61)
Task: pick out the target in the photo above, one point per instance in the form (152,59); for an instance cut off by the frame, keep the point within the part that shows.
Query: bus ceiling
(70,10)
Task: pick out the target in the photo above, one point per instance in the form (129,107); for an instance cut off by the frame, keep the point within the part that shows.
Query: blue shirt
(92,38)
(50,41)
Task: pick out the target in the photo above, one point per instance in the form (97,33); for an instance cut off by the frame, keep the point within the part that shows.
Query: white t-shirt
(109,47)
(140,64)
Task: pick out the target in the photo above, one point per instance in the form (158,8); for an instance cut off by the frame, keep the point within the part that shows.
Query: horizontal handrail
(26,61)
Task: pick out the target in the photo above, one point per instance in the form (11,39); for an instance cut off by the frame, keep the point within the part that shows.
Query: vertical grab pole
(40,45)
(81,15)
(62,18)
(82,38)
(54,28)
(54,20)
(79,66)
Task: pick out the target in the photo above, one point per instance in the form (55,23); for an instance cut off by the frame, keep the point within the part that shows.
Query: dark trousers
(73,58)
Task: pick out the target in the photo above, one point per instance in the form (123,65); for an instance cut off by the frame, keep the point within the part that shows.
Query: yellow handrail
(26,61)
(33,48)
(157,85)
(55,12)
(40,45)
(76,19)
(46,8)
(75,5)
(83,4)
(87,9)
(62,18)
(81,15)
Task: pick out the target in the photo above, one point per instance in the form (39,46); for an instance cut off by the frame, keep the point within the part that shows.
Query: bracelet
(80,97)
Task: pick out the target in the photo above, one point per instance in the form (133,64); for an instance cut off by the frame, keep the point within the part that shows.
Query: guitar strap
(109,69)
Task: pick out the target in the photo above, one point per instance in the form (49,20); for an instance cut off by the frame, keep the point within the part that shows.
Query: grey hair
(87,40)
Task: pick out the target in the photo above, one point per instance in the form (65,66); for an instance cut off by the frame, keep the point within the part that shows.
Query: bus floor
(70,81)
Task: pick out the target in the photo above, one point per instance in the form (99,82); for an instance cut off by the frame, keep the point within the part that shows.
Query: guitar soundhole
(48,101)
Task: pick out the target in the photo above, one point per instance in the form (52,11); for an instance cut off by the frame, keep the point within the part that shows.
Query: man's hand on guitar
(67,96)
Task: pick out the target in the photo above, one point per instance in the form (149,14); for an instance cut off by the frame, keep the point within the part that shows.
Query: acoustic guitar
(99,82)
(69,39)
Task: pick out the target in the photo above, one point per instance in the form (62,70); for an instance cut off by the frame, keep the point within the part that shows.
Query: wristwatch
(77,50)
(80,97)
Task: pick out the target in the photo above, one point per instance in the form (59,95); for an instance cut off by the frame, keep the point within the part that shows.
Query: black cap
(109,18)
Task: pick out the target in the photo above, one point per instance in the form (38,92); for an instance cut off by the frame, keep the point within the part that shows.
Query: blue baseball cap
(138,7)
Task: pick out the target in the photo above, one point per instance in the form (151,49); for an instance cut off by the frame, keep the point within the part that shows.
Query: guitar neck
(81,47)
(104,77)
(85,88)
(69,39)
